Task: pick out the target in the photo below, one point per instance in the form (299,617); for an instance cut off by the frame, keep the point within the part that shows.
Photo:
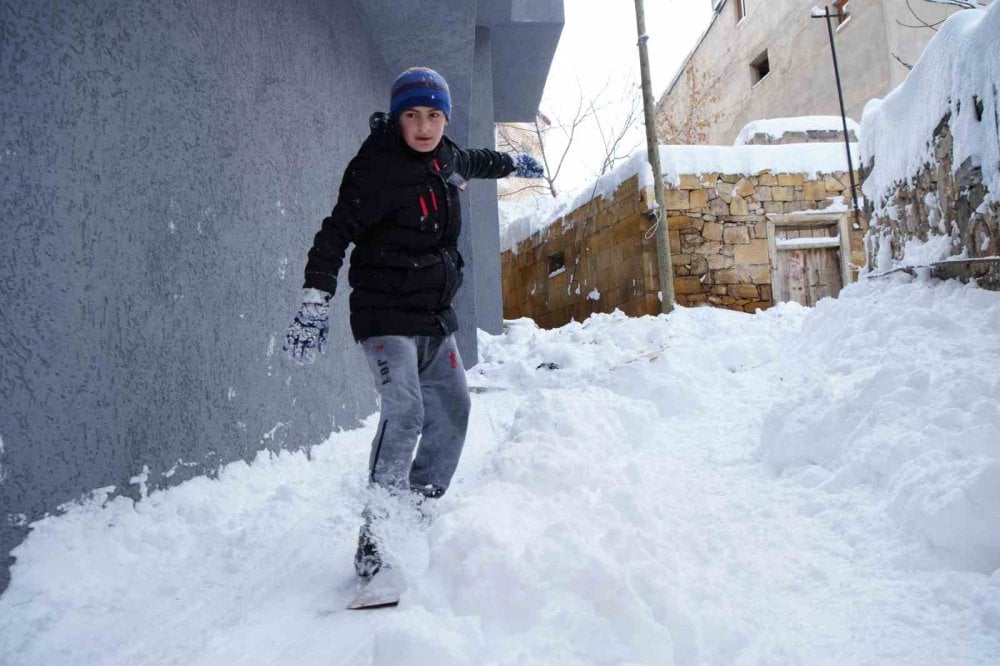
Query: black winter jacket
(401,210)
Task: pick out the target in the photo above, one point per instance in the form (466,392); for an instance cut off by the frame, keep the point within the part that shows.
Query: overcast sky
(598,49)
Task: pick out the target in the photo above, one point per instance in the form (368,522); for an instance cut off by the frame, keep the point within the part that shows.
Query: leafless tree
(615,132)
(524,138)
(701,111)
(536,138)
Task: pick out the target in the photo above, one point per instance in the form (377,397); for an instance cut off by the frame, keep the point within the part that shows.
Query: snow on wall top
(806,158)
(961,64)
(520,220)
(778,127)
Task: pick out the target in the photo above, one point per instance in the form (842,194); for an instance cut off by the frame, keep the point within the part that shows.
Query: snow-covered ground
(799,486)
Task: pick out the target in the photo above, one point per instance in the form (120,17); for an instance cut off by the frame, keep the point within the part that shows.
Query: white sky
(598,47)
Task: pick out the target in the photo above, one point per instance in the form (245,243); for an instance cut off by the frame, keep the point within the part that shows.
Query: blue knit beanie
(419,86)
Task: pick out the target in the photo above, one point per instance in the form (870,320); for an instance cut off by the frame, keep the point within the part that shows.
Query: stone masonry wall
(608,263)
(805,136)
(939,201)
(718,239)
(718,232)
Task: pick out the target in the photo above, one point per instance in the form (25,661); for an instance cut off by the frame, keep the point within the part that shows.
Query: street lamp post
(840,95)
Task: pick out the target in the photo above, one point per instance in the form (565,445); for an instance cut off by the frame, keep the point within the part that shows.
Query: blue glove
(307,333)
(526,166)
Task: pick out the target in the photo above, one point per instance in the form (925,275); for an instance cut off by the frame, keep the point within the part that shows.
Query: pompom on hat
(419,86)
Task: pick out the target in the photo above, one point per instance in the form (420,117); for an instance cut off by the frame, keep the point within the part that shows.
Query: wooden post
(664,261)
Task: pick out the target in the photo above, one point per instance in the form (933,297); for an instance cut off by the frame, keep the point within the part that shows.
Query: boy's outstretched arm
(486,163)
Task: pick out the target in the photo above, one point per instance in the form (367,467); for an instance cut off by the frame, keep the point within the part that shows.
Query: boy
(399,205)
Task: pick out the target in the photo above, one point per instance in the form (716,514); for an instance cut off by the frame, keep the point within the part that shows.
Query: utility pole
(843,113)
(665,264)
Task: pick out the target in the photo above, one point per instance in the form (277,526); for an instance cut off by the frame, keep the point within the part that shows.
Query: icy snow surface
(799,486)
(778,127)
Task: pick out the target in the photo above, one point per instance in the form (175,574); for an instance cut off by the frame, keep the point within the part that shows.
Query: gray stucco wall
(163,170)
(483,229)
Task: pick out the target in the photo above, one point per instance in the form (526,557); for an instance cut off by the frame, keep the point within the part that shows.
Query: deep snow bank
(799,485)
(904,399)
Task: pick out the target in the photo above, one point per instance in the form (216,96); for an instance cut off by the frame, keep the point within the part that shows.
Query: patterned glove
(526,166)
(308,332)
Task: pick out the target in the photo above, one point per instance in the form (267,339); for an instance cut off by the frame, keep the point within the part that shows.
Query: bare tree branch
(614,133)
(550,176)
(921,21)
(701,98)
(900,61)
(965,4)
(612,140)
(527,188)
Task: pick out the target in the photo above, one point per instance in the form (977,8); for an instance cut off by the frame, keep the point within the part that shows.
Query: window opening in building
(557,262)
(843,13)
(761,67)
(741,10)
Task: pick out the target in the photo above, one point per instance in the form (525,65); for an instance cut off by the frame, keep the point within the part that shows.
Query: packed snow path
(793,487)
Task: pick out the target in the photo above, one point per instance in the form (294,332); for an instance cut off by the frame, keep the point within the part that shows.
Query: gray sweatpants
(421,380)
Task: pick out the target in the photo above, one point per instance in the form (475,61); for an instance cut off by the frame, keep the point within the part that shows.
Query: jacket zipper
(447,195)
(445,262)
(445,257)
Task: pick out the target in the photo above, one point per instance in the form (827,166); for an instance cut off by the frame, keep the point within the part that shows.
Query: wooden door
(806,275)
(809,254)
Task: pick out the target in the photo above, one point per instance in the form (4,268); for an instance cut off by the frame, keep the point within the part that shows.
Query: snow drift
(814,486)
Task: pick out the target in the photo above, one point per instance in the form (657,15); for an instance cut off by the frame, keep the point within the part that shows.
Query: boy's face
(422,127)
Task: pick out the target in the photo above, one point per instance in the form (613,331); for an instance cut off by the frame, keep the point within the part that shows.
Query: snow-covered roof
(776,128)
(805,158)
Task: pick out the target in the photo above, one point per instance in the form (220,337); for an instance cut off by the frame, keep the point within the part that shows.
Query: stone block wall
(939,201)
(607,263)
(804,136)
(718,238)
(718,232)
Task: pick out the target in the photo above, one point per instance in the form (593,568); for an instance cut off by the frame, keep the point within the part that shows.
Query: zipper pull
(423,205)
(437,167)
(458,182)
(434,199)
